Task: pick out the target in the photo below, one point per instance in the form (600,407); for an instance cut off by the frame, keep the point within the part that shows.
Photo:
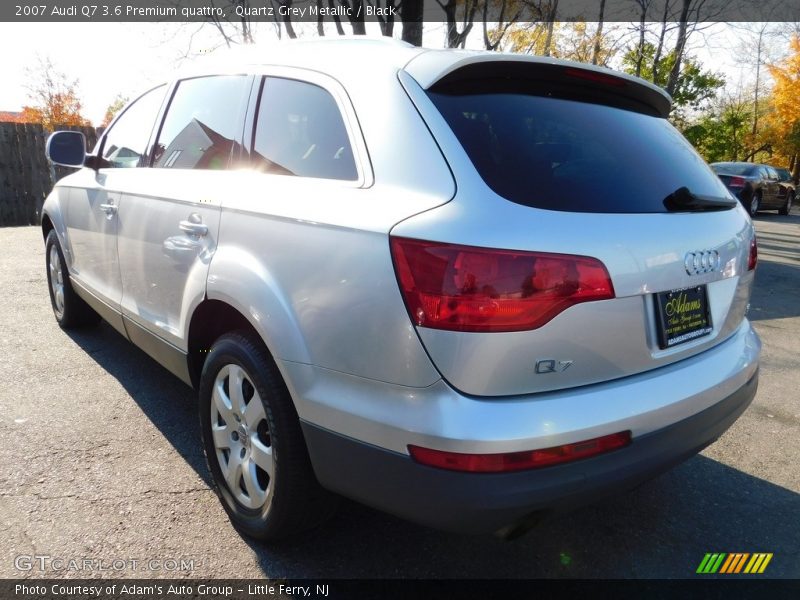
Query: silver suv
(469,289)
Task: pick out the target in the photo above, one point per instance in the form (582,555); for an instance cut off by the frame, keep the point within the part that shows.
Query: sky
(109,59)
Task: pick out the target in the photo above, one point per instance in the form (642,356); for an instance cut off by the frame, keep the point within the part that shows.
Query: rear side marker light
(519,461)
(464,288)
(752,259)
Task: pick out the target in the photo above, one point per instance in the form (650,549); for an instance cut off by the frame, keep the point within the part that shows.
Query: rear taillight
(519,461)
(752,260)
(737,182)
(463,288)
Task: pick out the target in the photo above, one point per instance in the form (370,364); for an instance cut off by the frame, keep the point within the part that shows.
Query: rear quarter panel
(316,281)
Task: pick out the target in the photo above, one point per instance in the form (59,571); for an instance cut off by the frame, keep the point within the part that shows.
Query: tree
(455,11)
(598,34)
(683,16)
(642,30)
(386,23)
(550,20)
(576,41)
(680,48)
(119,102)
(54,97)
(721,133)
(411,12)
(505,13)
(692,14)
(755,47)
(785,104)
(579,42)
(693,85)
(528,38)
(236,27)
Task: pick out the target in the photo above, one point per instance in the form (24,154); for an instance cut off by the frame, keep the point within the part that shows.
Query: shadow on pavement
(168,402)
(792,217)
(661,530)
(778,273)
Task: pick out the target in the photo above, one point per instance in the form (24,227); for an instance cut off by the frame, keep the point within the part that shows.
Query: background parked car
(757,186)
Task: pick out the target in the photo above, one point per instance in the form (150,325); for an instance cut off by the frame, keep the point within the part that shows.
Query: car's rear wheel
(253,442)
(787,207)
(69,309)
(755,204)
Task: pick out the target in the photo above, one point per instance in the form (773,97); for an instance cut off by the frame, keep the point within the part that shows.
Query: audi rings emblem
(701,261)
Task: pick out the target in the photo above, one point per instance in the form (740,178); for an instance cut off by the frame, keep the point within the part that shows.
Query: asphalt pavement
(100,461)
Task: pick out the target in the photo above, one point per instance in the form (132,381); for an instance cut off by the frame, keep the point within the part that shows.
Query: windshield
(563,154)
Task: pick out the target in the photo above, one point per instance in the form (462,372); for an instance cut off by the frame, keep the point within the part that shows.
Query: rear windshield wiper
(683,200)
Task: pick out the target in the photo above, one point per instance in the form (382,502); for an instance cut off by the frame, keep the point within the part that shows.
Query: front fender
(54,209)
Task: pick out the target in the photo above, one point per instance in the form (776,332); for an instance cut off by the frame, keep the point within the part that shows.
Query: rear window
(563,154)
(734,169)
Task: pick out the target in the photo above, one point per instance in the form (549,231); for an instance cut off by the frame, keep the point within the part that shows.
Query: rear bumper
(392,416)
(482,503)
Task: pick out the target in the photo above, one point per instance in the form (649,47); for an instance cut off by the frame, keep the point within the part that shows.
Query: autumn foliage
(112,110)
(55,98)
(784,119)
(61,109)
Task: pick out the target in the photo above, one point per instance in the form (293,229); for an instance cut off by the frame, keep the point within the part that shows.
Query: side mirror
(67,148)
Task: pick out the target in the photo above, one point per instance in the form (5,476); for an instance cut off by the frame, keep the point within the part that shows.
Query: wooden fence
(26,176)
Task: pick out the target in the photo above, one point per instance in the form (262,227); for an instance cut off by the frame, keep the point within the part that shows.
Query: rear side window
(203,124)
(563,154)
(300,131)
(126,141)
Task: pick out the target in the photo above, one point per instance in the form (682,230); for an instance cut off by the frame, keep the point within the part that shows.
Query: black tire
(69,309)
(784,210)
(755,204)
(294,500)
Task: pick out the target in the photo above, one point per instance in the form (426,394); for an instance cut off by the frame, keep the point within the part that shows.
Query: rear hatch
(587,241)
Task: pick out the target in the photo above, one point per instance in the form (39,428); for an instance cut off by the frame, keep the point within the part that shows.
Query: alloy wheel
(56,281)
(754,203)
(241,437)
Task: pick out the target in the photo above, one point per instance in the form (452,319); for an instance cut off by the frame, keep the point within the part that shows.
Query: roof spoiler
(435,70)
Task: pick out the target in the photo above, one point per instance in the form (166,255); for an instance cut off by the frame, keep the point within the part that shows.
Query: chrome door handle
(109,209)
(197,229)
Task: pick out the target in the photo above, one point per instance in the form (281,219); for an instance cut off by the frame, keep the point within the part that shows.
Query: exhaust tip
(519,528)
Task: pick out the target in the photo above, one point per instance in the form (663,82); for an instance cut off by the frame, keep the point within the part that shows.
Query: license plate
(682,316)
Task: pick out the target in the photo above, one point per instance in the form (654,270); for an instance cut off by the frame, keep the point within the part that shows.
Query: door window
(203,124)
(126,141)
